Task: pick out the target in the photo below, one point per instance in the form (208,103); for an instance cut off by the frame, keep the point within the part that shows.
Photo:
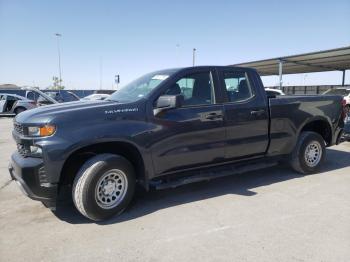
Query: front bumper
(30,175)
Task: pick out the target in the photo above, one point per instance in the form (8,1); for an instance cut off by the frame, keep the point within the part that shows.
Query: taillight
(344,111)
(343,102)
(33,103)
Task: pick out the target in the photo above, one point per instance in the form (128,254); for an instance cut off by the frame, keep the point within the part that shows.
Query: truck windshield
(141,87)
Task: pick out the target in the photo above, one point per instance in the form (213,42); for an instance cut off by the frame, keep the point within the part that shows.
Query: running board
(211,173)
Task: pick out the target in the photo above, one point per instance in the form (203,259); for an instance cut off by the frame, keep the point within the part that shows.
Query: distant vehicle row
(13,104)
(345,92)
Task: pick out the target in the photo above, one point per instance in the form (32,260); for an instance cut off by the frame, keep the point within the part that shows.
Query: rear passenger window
(237,86)
(12,98)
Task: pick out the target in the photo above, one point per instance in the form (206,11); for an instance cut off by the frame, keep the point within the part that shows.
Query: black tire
(87,189)
(306,164)
(19,110)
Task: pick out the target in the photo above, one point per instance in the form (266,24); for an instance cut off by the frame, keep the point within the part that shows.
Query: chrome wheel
(111,189)
(313,153)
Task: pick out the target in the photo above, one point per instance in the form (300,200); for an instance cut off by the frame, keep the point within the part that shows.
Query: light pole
(59,57)
(194,56)
(177,54)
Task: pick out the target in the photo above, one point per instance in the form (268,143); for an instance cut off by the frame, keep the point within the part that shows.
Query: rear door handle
(213,116)
(257,112)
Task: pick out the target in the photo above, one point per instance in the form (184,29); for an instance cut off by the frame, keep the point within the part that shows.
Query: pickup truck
(166,129)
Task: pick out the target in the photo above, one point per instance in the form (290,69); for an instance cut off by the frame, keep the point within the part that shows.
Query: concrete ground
(269,215)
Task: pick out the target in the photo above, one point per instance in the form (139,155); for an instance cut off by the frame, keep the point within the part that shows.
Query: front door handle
(257,112)
(213,116)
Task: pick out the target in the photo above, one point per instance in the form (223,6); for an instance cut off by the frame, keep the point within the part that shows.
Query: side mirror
(167,102)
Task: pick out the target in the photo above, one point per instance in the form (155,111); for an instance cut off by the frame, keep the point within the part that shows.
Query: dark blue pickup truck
(165,129)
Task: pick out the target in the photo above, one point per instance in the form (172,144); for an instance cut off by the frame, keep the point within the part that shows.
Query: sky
(103,38)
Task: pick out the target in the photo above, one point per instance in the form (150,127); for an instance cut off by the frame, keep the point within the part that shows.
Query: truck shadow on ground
(243,184)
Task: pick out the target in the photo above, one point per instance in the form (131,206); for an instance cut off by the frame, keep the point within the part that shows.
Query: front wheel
(104,186)
(309,153)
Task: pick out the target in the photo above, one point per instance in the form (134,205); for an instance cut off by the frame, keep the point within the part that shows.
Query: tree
(57,83)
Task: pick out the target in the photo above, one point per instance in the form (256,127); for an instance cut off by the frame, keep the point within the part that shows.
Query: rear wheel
(104,186)
(309,153)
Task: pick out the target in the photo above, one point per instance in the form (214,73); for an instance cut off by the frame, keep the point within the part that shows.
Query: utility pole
(194,56)
(59,57)
(177,54)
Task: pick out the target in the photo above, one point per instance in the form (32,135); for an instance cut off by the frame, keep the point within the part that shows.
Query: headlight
(46,130)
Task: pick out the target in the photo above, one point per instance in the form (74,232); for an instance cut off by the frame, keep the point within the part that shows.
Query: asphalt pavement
(268,215)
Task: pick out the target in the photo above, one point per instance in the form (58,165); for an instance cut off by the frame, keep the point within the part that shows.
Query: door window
(237,86)
(196,88)
(31,96)
(12,98)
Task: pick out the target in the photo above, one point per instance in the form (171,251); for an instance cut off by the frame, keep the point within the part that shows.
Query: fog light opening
(35,150)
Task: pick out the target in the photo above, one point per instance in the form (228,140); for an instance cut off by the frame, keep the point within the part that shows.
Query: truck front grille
(22,150)
(18,128)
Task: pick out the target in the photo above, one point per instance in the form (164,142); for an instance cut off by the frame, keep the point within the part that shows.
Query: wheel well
(19,107)
(79,157)
(321,127)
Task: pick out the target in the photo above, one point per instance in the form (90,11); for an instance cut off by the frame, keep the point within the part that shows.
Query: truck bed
(284,129)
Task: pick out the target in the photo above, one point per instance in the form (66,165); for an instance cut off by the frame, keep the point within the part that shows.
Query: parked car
(95,97)
(39,96)
(274,92)
(346,133)
(155,133)
(62,96)
(11,104)
(345,92)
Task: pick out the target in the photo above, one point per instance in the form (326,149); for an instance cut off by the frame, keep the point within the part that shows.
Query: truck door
(193,134)
(246,114)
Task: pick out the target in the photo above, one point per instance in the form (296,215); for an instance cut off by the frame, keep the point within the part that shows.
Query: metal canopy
(328,60)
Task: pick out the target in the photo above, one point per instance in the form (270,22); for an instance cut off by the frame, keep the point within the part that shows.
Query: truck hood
(78,110)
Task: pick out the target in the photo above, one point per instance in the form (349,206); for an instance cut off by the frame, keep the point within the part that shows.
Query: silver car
(95,97)
(11,104)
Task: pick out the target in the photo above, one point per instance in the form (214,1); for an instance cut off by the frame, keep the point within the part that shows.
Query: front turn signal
(47,130)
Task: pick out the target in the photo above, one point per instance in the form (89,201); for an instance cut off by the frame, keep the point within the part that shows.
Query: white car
(274,92)
(95,97)
(12,104)
(345,92)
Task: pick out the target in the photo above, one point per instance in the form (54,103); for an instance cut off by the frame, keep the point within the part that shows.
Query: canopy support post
(343,81)
(280,71)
